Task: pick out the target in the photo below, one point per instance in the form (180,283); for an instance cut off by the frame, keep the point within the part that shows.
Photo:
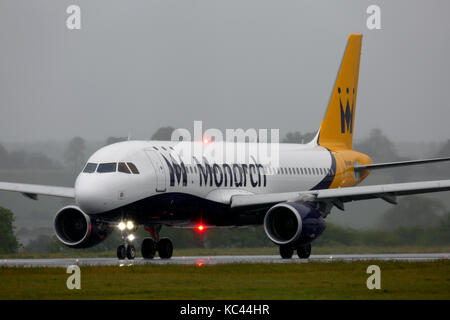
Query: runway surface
(212,260)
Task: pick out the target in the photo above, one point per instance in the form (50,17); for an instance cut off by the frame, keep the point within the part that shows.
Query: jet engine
(76,229)
(293,223)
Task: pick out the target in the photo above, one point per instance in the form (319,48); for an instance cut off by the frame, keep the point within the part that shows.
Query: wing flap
(387,192)
(32,190)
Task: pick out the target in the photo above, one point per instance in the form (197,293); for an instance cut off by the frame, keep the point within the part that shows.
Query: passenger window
(290,171)
(90,167)
(123,168)
(155,148)
(107,167)
(133,168)
(309,171)
(164,148)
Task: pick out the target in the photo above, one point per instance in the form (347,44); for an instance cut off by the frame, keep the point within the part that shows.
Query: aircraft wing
(337,197)
(32,190)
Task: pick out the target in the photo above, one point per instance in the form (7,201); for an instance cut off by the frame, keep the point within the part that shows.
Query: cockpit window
(133,168)
(106,167)
(90,167)
(123,168)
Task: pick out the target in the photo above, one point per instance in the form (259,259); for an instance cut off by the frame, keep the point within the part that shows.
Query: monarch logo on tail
(347,115)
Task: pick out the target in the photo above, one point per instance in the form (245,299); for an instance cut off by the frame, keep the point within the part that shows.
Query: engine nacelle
(76,229)
(293,223)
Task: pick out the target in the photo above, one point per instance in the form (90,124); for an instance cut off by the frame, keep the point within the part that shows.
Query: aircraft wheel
(148,248)
(165,248)
(121,252)
(286,252)
(304,251)
(131,252)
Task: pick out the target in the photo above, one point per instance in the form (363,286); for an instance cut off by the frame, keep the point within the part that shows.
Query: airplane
(144,183)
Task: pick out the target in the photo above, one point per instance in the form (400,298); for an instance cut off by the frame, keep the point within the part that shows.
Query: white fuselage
(299,167)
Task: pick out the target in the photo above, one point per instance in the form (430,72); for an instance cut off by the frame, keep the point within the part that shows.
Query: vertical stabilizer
(336,129)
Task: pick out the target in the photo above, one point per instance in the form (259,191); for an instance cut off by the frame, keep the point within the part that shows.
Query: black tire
(148,248)
(121,252)
(165,248)
(131,252)
(286,252)
(304,251)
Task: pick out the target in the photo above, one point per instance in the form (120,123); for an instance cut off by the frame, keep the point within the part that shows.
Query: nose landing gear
(126,250)
(150,245)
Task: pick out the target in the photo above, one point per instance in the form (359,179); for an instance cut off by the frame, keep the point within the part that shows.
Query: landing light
(121,226)
(130,225)
(131,237)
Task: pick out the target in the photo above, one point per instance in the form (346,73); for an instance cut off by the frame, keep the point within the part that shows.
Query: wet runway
(212,260)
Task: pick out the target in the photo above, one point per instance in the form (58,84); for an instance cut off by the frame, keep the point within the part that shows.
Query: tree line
(428,224)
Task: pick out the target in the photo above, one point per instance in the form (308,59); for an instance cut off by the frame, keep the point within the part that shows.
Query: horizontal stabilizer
(397,164)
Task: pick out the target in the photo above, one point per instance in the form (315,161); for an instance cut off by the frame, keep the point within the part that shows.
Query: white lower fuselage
(164,175)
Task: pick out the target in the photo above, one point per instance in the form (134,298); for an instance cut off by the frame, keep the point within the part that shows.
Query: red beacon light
(200,228)
(205,140)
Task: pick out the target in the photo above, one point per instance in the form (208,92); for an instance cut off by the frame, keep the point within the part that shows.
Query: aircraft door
(159,170)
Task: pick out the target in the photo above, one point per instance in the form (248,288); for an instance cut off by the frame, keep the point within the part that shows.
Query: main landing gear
(150,245)
(303,251)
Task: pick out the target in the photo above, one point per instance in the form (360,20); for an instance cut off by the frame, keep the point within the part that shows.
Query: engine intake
(76,229)
(293,223)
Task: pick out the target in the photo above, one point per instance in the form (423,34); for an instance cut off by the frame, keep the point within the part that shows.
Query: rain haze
(136,66)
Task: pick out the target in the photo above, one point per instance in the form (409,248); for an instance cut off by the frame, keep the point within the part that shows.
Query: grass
(239,251)
(333,280)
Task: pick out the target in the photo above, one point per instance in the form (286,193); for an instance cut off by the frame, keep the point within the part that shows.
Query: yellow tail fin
(336,129)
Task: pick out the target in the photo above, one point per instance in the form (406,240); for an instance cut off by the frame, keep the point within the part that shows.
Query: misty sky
(138,65)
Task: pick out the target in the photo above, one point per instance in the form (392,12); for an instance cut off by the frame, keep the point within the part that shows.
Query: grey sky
(139,65)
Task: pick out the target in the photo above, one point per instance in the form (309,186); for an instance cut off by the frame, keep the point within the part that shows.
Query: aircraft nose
(90,195)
